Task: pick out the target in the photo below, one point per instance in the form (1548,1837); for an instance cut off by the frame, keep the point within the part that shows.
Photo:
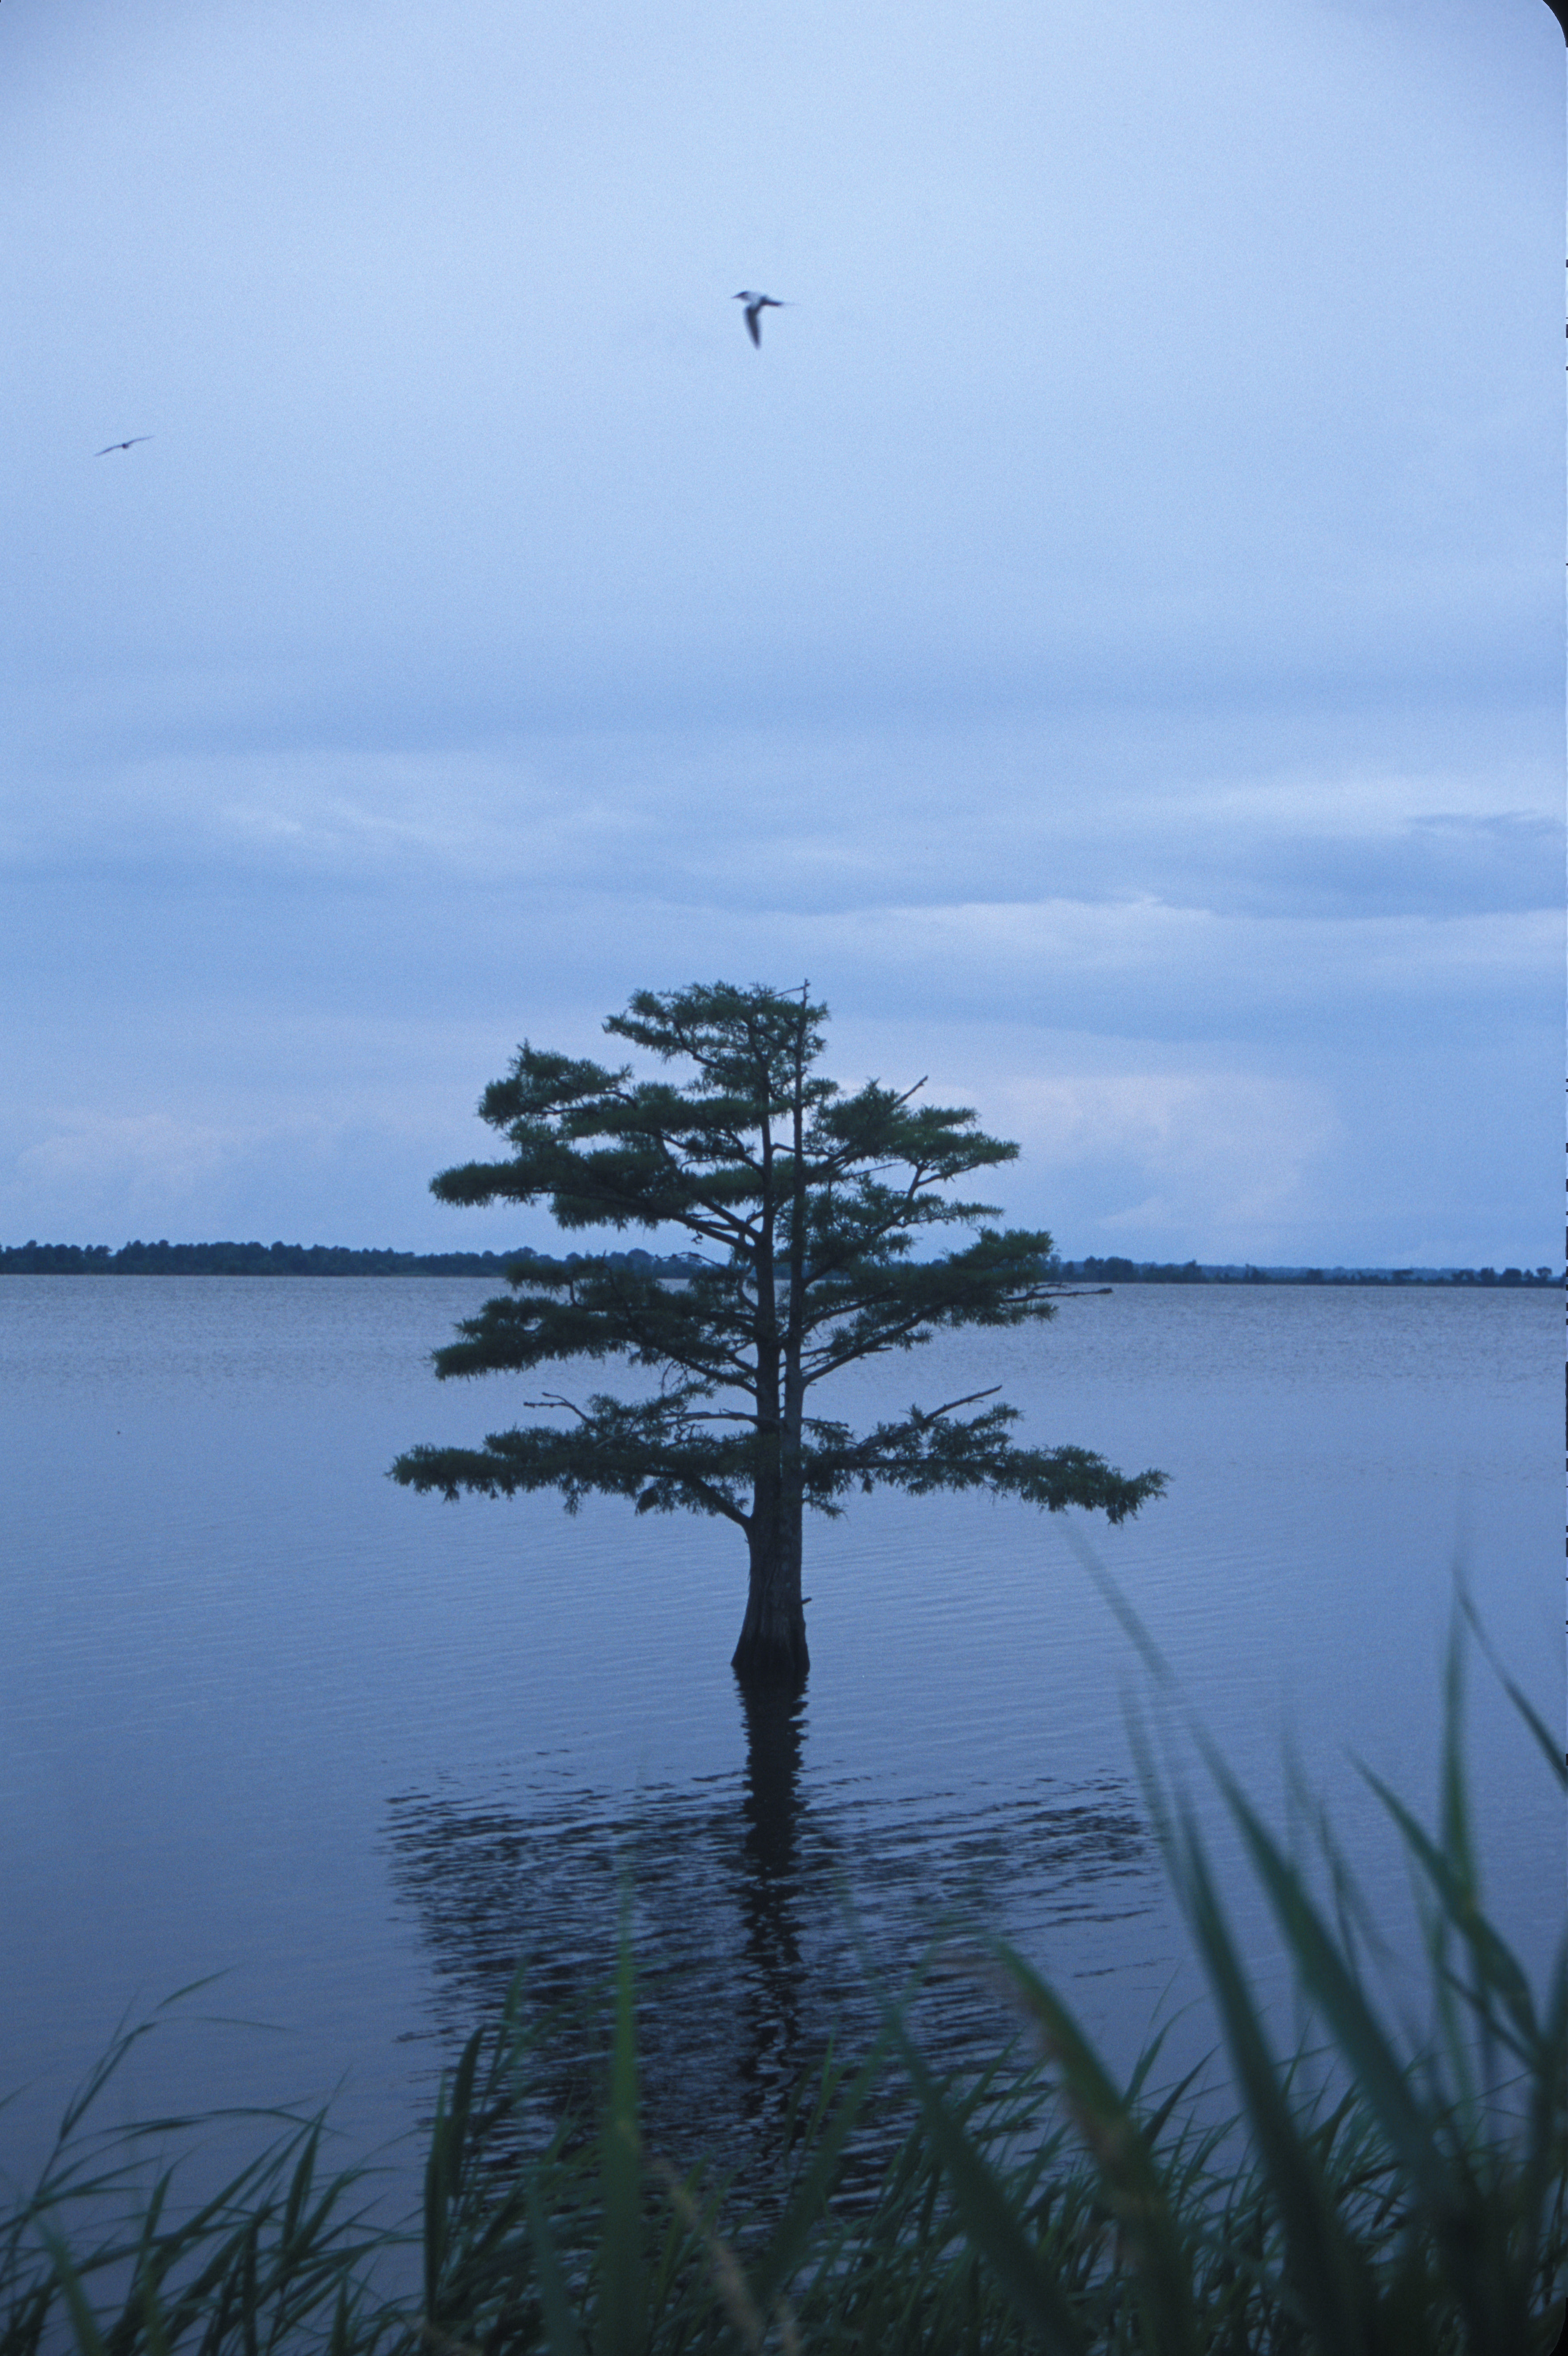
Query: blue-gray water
(267,1715)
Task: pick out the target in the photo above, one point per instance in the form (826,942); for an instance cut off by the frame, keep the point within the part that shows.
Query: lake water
(266,1715)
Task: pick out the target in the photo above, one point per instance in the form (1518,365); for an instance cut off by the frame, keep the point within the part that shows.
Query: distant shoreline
(165,1258)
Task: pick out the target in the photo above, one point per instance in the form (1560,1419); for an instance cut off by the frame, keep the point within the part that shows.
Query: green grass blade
(564,2337)
(988,2216)
(444,2170)
(772,2271)
(1550,1747)
(1497,1965)
(1130,2179)
(622,2316)
(83,2322)
(300,2186)
(1329,2280)
(98,2077)
(1378,2070)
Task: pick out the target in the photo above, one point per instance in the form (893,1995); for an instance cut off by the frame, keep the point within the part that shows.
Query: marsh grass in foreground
(1389,2194)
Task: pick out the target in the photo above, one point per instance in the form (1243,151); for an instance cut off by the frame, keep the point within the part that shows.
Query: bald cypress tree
(808,1204)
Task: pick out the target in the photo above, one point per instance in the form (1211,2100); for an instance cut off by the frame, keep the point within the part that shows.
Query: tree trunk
(772,1647)
(769,1891)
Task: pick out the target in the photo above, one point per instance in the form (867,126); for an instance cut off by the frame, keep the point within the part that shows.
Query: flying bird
(755,307)
(123,445)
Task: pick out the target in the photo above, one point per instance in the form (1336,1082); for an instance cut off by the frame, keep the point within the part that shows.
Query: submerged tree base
(772,1664)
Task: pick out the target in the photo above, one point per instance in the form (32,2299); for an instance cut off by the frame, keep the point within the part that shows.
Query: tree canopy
(807,1203)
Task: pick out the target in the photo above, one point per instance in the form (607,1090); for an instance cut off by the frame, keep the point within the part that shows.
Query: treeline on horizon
(165,1258)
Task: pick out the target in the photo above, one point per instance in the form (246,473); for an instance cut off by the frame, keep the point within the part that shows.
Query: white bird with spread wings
(755,307)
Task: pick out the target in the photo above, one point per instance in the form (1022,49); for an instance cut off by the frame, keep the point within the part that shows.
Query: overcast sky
(1109,637)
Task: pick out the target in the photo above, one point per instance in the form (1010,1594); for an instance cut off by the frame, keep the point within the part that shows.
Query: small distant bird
(755,307)
(123,445)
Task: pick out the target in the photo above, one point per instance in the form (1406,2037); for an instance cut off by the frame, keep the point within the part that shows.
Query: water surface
(267,1715)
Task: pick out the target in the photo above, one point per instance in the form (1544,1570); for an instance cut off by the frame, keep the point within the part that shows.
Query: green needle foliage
(808,1204)
(1414,2205)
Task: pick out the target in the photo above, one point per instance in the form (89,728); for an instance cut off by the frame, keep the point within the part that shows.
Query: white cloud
(1228,1153)
(100,1162)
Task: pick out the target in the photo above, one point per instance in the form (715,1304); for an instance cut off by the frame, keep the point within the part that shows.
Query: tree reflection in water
(751,1913)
